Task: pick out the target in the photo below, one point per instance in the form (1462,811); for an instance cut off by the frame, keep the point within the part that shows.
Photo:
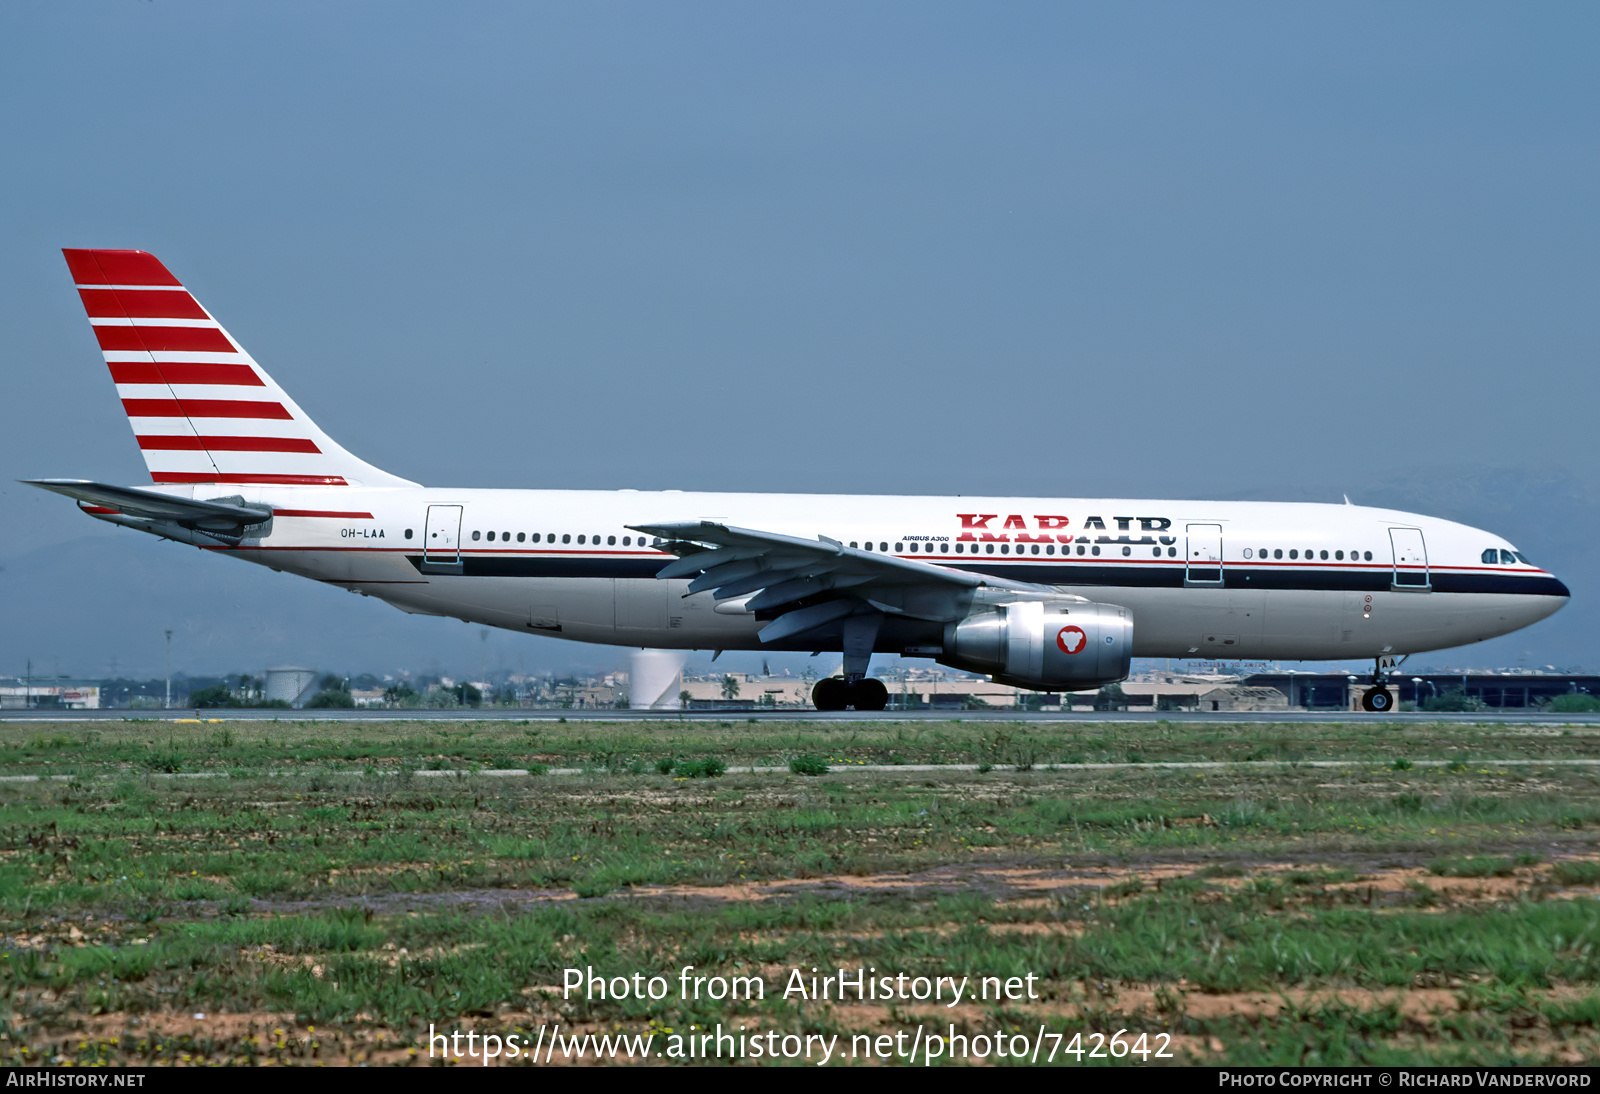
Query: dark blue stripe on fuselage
(1142,576)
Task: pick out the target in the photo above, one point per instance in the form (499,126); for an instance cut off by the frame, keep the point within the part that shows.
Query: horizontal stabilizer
(131,501)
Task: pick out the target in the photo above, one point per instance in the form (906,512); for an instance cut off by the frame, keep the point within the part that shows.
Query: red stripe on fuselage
(320,513)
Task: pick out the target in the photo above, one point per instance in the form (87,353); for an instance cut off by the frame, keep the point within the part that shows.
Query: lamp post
(169,671)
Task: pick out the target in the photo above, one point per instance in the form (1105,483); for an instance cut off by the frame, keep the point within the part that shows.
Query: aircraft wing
(220,516)
(807,584)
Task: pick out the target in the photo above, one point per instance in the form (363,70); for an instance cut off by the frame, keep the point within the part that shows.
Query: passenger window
(1278,553)
(520,536)
(491,537)
(1126,551)
(1035,548)
(1095,549)
(1369,556)
(1050,550)
(1172,552)
(1246,552)
(988,549)
(566,537)
(408,533)
(611,541)
(1005,548)
(475,535)
(1338,556)
(1155,551)
(1324,556)
(883,547)
(1294,553)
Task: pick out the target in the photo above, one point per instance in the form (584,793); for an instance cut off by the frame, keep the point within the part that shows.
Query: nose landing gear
(1378,699)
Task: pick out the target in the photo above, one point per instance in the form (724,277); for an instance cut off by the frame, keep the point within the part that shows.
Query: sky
(1055,249)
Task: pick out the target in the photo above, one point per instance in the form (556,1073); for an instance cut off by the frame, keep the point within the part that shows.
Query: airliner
(1052,594)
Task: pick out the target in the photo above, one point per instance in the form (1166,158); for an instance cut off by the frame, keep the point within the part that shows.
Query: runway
(761,715)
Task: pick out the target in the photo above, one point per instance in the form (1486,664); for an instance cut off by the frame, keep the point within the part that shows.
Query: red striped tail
(201,409)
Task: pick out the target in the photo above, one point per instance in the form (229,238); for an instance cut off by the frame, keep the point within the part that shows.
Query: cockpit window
(1508,558)
(1522,558)
(1491,555)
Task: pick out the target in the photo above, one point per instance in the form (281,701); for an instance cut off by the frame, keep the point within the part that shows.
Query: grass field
(255,892)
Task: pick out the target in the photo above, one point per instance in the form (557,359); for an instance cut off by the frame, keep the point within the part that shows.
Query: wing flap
(809,585)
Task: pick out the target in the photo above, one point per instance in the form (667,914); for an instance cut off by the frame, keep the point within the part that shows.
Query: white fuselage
(1202,579)
(261,480)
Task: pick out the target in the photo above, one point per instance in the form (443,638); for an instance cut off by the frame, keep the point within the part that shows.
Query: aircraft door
(441,544)
(1410,559)
(1204,555)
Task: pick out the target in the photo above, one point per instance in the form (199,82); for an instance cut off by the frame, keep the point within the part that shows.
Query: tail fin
(201,409)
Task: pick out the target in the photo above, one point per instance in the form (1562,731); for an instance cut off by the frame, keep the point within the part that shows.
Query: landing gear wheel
(1377,700)
(830,693)
(869,695)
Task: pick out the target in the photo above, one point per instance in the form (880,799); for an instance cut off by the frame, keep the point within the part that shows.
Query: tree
(399,695)
(1111,697)
(730,687)
(212,697)
(329,698)
(1454,701)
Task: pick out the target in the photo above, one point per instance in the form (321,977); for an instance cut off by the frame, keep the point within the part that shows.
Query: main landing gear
(1378,699)
(837,693)
(854,689)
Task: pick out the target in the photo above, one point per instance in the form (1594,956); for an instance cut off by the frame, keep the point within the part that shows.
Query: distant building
(294,686)
(49,693)
(1244,698)
(1495,690)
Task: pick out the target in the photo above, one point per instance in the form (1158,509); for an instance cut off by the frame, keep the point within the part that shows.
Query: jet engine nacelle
(1044,645)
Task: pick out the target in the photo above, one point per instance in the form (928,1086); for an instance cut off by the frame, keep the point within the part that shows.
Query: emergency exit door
(1203,555)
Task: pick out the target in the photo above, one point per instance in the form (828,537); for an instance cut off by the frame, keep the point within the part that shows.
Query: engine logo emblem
(1071,639)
